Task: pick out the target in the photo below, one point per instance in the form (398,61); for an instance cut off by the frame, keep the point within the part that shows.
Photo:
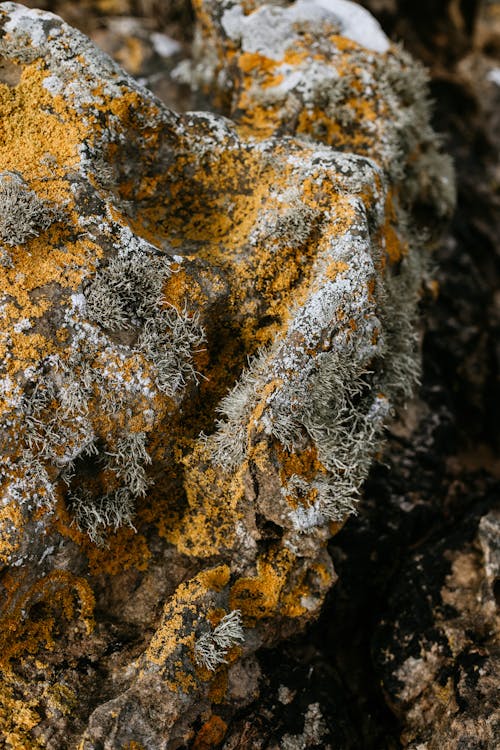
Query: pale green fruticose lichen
(211,648)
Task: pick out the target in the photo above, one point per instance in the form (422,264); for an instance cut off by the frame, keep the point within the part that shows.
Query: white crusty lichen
(268,30)
(211,648)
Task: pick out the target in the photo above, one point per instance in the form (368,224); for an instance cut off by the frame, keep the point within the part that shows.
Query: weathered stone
(156,529)
(437,651)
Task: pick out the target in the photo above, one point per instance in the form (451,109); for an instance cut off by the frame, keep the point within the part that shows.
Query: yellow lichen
(17,718)
(173,633)
(55,595)
(11,522)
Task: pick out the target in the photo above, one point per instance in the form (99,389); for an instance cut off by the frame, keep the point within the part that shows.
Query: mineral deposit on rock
(205,323)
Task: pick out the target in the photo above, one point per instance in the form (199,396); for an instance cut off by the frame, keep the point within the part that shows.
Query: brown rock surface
(438,650)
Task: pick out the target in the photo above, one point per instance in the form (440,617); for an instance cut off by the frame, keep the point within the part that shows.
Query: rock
(437,649)
(205,326)
(323,69)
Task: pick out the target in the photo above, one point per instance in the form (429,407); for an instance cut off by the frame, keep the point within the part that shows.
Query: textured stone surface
(438,650)
(155,530)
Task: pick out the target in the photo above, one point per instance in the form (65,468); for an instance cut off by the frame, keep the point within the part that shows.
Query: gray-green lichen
(211,647)
(22,213)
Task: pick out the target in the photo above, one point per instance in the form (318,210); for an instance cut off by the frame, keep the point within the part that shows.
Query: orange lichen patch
(125,548)
(214,616)
(204,18)
(173,632)
(261,597)
(317,123)
(112,425)
(261,117)
(278,271)
(222,224)
(127,106)
(255,120)
(256,73)
(36,129)
(35,125)
(304,464)
(323,573)
(60,699)
(275,268)
(365,110)
(255,63)
(181,288)
(215,579)
(395,249)
(182,680)
(55,595)
(343,44)
(300,54)
(211,734)
(254,420)
(320,192)
(297,601)
(17,718)
(36,267)
(29,348)
(11,524)
(131,55)
(335,267)
(265,275)
(199,208)
(217,689)
(208,524)
(433,287)
(10,583)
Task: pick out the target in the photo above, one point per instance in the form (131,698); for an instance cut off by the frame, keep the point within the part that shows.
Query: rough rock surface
(156,530)
(437,650)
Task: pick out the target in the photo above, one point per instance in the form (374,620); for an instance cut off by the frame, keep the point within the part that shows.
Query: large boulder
(205,325)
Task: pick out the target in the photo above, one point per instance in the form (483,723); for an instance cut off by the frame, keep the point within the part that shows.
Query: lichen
(206,325)
(211,647)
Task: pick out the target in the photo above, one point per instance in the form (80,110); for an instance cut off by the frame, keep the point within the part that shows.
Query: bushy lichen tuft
(127,291)
(211,648)
(95,515)
(22,213)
